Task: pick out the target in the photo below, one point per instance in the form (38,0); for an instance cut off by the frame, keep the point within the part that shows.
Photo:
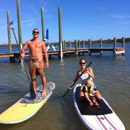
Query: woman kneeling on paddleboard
(87,74)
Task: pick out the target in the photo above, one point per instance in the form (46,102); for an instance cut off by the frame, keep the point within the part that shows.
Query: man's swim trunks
(36,65)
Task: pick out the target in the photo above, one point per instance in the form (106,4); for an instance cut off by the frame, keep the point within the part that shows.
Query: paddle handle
(77,78)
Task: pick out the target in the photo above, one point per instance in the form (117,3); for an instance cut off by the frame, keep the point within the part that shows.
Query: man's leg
(32,69)
(40,69)
(43,80)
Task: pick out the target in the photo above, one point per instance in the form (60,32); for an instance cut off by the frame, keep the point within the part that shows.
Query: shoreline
(95,42)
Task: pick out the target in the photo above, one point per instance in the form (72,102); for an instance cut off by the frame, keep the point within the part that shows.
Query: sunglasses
(83,63)
(35,32)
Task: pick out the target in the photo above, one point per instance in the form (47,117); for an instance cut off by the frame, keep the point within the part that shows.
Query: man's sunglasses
(35,32)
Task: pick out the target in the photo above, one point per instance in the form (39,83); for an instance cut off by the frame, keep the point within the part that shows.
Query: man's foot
(43,93)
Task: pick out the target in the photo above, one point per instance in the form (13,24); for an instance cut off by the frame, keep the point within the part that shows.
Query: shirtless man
(36,63)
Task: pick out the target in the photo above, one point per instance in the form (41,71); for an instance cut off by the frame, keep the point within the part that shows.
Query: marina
(79,48)
(13,55)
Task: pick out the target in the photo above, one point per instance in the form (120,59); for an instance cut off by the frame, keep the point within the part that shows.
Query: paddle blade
(32,92)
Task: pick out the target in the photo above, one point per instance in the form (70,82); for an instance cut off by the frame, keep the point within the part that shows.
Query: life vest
(89,90)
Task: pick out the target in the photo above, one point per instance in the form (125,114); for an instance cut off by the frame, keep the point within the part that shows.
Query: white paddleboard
(96,118)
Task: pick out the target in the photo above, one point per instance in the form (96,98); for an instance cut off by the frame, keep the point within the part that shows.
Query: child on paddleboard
(89,92)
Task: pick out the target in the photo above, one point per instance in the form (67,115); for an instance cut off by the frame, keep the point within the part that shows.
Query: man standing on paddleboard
(36,50)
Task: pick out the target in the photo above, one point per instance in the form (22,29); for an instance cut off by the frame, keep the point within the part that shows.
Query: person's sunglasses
(35,32)
(83,63)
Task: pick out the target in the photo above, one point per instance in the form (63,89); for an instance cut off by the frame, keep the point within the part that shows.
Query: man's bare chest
(36,46)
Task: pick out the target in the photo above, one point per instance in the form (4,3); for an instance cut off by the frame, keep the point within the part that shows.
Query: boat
(96,118)
(26,107)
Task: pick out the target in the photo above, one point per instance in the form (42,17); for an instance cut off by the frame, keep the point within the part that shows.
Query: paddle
(32,92)
(78,78)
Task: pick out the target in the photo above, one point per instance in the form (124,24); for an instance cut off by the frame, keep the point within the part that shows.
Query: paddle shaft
(20,52)
(32,92)
(78,78)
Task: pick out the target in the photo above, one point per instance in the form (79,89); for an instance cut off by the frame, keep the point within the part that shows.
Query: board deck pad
(86,109)
(27,98)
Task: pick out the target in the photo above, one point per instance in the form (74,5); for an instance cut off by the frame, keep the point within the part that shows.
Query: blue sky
(81,19)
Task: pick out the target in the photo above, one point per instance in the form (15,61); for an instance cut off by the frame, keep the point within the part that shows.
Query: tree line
(95,41)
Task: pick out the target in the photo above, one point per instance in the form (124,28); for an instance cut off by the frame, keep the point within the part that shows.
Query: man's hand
(47,65)
(22,56)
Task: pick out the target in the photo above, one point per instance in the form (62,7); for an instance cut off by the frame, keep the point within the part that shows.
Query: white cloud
(128,16)
(118,16)
(122,19)
(123,22)
(100,8)
(30,24)
(25,21)
(34,10)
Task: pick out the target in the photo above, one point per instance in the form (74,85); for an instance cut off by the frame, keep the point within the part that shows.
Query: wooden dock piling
(64,45)
(76,48)
(123,45)
(89,47)
(8,31)
(78,43)
(9,36)
(114,52)
(42,23)
(100,47)
(19,24)
(60,32)
(70,43)
(83,44)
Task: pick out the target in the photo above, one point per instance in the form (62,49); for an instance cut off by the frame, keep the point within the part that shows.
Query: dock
(77,48)
(13,55)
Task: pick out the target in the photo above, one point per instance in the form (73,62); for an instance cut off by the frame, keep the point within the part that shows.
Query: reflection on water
(112,77)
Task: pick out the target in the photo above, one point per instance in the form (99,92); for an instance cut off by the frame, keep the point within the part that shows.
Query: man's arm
(23,50)
(45,55)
